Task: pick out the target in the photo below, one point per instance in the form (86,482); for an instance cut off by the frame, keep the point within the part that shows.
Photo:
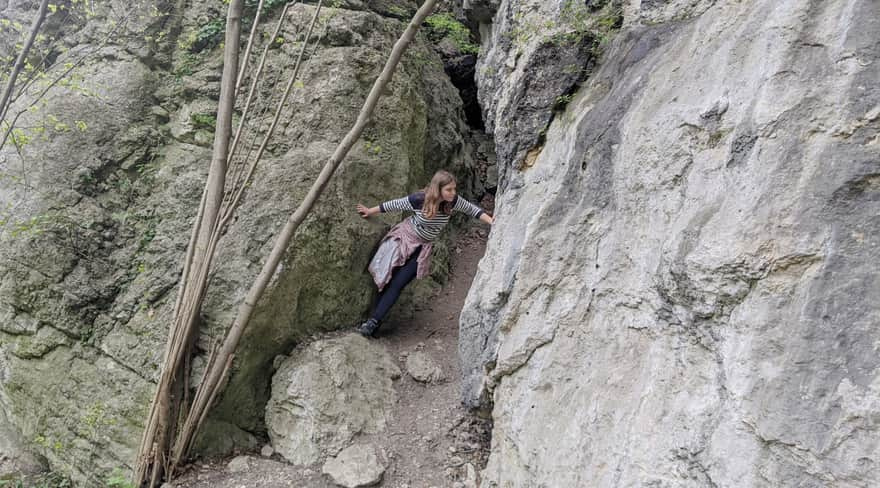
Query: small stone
(456,461)
(458,484)
(267,451)
(355,466)
(452,449)
(422,368)
(238,465)
(308,473)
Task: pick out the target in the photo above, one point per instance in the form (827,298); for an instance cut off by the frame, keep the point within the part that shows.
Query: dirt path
(431,441)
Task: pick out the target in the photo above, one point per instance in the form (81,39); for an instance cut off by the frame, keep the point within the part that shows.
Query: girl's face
(447,193)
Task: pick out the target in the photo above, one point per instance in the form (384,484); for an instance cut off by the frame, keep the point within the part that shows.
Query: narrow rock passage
(431,440)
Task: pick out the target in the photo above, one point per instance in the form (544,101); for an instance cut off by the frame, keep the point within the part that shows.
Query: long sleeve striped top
(429,229)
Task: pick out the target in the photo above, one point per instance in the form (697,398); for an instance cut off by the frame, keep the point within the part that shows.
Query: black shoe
(368,326)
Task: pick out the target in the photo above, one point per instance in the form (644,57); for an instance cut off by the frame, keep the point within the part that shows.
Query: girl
(405,252)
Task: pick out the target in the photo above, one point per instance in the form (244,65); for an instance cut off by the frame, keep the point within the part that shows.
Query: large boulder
(96,217)
(680,290)
(326,393)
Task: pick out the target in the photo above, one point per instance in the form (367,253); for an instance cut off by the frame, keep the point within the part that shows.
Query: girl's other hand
(364,211)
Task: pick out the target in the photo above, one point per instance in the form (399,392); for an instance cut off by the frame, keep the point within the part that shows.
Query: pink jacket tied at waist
(397,246)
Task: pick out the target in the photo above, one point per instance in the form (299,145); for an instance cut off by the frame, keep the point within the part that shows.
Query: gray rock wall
(681,289)
(96,220)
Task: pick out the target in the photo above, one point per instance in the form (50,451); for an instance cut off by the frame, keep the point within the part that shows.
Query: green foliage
(204,121)
(372,147)
(186,65)
(562,101)
(577,23)
(598,22)
(445,25)
(33,226)
(208,34)
(119,480)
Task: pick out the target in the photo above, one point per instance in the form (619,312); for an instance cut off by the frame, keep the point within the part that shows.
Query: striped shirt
(429,229)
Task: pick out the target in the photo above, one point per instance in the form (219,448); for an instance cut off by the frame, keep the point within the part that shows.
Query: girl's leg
(399,279)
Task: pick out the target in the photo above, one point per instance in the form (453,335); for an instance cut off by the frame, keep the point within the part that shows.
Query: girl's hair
(433,199)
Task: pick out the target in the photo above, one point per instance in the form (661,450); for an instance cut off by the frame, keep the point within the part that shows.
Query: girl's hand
(364,211)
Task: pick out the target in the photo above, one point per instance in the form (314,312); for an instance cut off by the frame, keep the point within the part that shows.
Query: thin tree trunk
(216,374)
(19,62)
(154,455)
(254,82)
(247,51)
(239,191)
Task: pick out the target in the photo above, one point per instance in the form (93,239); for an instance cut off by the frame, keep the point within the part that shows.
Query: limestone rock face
(533,58)
(681,289)
(96,217)
(15,458)
(326,393)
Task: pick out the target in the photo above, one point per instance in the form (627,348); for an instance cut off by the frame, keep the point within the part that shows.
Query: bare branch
(247,51)
(280,107)
(57,79)
(19,63)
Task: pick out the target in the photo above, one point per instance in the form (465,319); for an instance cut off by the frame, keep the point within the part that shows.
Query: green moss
(598,22)
(562,101)
(445,25)
(204,121)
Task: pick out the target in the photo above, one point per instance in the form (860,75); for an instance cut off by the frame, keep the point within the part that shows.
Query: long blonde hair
(433,197)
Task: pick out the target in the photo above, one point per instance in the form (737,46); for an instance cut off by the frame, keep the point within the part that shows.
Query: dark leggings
(399,279)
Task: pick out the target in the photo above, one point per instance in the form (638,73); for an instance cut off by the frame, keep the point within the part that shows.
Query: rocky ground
(431,439)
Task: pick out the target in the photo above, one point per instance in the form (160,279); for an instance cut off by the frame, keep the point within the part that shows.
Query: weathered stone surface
(267,450)
(679,291)
(95,227)
(239,464)
(423,368)
(533,56)
(15,458)
(326,393)
(355,466)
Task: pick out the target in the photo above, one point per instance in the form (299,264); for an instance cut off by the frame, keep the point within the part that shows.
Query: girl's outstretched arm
(474,211)
(405,204)
(366,212)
